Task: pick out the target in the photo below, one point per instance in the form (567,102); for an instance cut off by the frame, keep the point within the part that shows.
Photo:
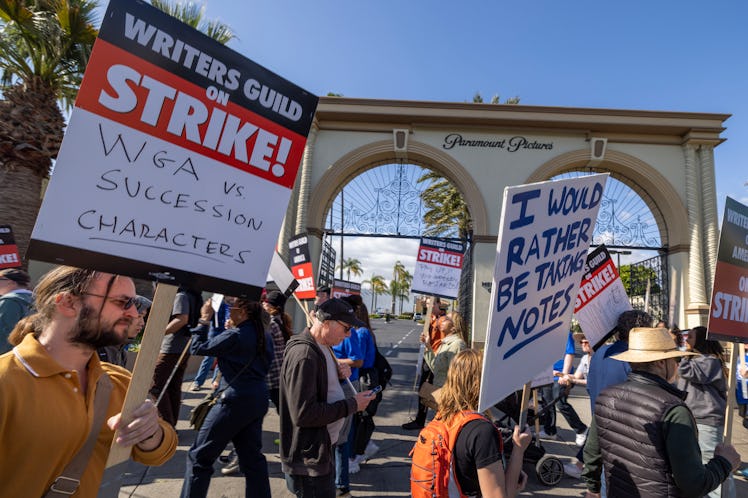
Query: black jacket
(305,447)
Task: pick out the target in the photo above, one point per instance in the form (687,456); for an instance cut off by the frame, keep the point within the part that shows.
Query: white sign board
(602,297)
(544,235)
(178,160)
(438,268)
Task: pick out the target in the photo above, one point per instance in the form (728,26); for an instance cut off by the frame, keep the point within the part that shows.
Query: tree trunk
(31,129)
(465,294)
(20,191)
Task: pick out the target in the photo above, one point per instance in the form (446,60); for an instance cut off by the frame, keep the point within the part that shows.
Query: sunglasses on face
(124,303)
(345,325)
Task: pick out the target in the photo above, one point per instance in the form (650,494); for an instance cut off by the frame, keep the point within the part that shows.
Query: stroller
(548,468)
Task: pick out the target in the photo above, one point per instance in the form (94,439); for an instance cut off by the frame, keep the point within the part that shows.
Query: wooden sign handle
(145,364)
(731,382)
(523,406)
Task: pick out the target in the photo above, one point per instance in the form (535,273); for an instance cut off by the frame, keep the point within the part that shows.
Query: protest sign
(326,265)
(301,266)
(544,235)
(342,288)
(438,267)
(601,297)
(728,315)
(281,275)
(178,160)
(9,257)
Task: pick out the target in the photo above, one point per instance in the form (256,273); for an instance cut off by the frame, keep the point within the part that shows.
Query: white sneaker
(353,466)
(371,449)
(581,439)
(572,470)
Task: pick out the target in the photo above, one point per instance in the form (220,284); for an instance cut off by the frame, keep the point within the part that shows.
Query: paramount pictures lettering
(513,144)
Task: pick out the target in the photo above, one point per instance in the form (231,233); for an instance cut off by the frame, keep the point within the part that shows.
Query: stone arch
(655,190)
(365,157)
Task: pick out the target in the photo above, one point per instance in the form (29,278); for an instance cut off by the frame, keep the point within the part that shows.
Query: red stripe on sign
(437,257)
(126,89)
(599,281)
(728,315)
(9,257)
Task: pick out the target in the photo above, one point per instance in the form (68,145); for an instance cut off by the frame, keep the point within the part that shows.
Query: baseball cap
(276,298)
(18,276)
(323,288)
(337,309)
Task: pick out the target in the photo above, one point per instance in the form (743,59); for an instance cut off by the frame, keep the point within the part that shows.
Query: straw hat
(650,344)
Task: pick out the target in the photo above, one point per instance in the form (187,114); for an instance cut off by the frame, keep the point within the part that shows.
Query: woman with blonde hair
(452,343)
(478,460)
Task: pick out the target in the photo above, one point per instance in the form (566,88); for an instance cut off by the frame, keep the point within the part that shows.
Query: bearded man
(55,394)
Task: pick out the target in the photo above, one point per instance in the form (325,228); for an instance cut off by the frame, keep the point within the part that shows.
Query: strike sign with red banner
(9,257)
(178,160)
(728,315)
(301,266)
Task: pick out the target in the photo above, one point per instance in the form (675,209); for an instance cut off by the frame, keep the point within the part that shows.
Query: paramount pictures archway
(666,157)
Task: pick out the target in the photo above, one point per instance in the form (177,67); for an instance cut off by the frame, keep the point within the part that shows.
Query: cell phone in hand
(375,391)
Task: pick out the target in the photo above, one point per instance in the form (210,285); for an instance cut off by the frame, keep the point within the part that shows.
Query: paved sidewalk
(385,475)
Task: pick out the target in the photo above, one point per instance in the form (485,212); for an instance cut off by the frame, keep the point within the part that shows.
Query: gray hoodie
(703,379)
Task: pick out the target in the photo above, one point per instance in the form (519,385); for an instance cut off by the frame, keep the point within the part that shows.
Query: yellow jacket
(44,420)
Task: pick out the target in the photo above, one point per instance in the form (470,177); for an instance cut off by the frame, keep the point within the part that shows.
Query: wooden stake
(732,379)
(523,406)
(303,306)
(145,364)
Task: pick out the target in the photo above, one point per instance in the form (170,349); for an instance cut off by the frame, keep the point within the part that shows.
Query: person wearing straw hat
(643,435)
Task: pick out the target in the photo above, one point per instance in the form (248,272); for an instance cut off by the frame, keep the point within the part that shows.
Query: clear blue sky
(655,55)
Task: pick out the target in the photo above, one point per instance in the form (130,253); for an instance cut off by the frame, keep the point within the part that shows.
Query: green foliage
(635,279)
(446,213)
(193,14)
(46,45)
(351,265)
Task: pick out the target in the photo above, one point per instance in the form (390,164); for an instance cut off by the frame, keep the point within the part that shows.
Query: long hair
(284,321)
(63,279)
(359,309)
(459,325)
(709,347)
(255,312)
(462,388)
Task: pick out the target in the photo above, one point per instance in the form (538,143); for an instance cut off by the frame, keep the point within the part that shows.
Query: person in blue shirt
(217,325)
(348,352)
(550,392)
(604,370)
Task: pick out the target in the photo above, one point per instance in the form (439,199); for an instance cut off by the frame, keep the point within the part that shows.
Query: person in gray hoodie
(703,378)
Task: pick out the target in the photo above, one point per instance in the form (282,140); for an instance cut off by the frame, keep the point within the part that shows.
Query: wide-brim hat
(650,344)
(578,336)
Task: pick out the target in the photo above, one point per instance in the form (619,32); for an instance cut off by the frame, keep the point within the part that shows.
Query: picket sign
(422,349)
(140,383)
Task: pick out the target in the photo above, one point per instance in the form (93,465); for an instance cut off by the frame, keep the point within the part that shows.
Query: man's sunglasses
(123,302)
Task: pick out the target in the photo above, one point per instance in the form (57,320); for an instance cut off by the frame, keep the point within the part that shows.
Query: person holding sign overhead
(55,393)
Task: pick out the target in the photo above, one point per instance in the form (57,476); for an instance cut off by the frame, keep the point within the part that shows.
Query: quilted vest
(629,419)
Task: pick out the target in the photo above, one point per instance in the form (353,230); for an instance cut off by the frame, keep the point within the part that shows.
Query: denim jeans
(311,487)
(709,437)
(548,419)
(239,420)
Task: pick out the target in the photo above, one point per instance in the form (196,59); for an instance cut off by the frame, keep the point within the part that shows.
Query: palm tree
(351,265)
(447,215)
(400,285)
(378,286)
(194,15)
(44,48)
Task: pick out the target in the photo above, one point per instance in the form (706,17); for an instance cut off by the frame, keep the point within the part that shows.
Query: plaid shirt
(279,346)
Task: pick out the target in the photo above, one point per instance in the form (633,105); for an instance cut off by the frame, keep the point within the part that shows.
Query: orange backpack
(432,456)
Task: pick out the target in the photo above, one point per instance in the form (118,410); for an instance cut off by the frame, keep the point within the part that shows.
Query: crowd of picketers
(658,398)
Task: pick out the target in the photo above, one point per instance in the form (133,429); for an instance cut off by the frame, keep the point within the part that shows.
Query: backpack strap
(68,481)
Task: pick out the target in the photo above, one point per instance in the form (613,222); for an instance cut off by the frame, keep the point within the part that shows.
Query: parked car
(417,316)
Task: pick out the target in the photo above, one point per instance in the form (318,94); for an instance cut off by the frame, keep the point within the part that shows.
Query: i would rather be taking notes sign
(178,161)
